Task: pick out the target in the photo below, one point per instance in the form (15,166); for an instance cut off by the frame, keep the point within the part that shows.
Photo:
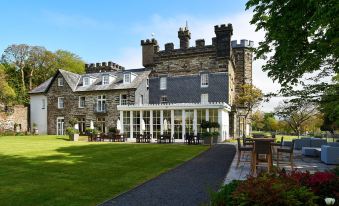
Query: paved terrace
(301,162)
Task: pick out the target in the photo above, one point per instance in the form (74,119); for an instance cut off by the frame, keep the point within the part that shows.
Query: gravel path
(188,184)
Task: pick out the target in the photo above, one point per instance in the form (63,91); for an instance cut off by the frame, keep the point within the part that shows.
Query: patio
(301,162)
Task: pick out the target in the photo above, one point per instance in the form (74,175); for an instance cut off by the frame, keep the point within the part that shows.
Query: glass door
(60,126)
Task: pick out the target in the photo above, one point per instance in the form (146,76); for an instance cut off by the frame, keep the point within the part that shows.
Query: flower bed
(281,188)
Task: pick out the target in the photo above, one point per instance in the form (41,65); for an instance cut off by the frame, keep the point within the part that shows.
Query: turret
(149,48)
(184,35)
(223,39)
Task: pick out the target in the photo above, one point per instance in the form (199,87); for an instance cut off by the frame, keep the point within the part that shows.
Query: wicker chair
(242,150)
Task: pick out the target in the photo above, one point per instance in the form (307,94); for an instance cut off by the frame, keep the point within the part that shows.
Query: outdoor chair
(242,150)
(247,141)
(262,147)
(279,144)
(286,151)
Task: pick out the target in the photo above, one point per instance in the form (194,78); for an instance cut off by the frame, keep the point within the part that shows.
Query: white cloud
(165,30)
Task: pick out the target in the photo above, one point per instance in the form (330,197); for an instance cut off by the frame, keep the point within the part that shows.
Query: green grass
(49,170)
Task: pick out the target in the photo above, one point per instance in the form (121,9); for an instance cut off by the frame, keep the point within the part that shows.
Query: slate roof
(42,87)
(75,81)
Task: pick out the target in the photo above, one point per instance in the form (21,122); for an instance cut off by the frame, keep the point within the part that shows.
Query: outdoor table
(262,146)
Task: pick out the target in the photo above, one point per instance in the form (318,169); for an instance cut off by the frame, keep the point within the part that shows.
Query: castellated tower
(184,35)
(223,39)
(243,55)
(149,48)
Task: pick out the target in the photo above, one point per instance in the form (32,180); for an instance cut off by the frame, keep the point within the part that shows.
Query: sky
(103,30)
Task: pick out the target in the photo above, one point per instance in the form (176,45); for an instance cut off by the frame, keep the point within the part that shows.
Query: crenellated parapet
(243,43)
(103,67)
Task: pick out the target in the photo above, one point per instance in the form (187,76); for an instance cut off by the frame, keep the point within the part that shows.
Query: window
(82,102)
(43,104)
(60,82)
(163,100)
(101,103)
(126,123)
(123,99)
(101,124)
(61,103)
(204,80)
(136,123)
(204,98)
(105,79)
(127,78)
(86,81)
(163,83)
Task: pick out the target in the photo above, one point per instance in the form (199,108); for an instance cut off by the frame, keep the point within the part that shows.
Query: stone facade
(187,63)
(13,118)
(88,112)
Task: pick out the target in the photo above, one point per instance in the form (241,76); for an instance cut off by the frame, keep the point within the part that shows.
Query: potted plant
(35,129)
(72,133)
(207,136)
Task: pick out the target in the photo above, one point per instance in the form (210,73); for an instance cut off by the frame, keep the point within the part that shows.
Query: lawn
(49,170)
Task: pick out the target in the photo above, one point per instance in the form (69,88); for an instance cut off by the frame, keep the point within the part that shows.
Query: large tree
(296,114)
(28,66)
(302,40)
(7,94)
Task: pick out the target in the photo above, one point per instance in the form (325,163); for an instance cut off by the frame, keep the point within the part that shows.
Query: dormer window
(127,78)
(86,81)
(60,82)
(105,79)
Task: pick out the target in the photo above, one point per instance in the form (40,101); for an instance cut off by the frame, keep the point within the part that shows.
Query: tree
(303,36)
(248,99)
(296,114)
(68,61)
(28,66)
(258,120)
(270,123)
(7,94)
(17,56)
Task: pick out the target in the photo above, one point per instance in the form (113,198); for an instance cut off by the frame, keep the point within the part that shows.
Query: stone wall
(14,119)
(71,105)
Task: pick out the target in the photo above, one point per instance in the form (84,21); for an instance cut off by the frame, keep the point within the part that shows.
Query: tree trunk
(23,80)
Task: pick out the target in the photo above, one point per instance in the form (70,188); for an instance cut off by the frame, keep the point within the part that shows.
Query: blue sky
(105,30)
(98,30)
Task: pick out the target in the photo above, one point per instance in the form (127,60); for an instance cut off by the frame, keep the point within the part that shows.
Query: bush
(113,130)
(71,131)
(272,190)
(224,196)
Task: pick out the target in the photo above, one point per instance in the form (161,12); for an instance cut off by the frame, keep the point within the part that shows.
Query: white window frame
(204,98)
(163,83)
(161,99)
(60,82)
(101,103)
(61,106)
(105,79)
(204,80)
(80,102)
(127,77)
(84,81)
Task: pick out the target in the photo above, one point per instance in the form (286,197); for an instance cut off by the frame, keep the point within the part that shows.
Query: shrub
(73,121)
(71,131)
(224,196)
(272,190)
(113,130)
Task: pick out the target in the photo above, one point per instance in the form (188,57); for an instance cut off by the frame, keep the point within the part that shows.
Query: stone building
(177,89)
(13,118)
